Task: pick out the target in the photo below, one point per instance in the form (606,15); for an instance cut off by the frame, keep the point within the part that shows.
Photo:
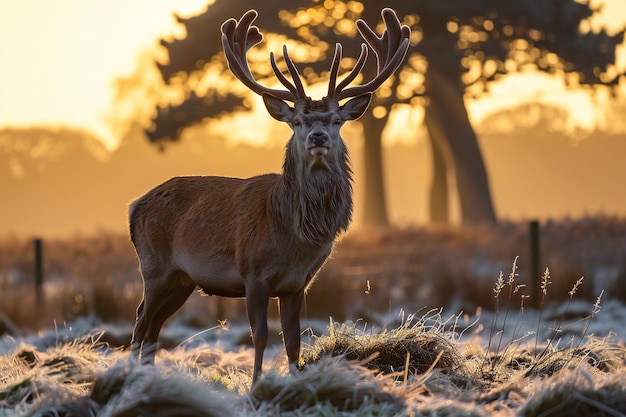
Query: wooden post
(535,273)
(38,247)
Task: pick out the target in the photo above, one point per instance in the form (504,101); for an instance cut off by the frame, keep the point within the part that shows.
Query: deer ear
(277,108)
(354,108)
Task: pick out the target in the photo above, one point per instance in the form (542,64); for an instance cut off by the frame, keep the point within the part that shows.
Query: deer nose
(318,138)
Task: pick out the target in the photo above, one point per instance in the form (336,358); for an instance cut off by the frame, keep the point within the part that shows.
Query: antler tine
(334,70)
(295,75)
(394,37)
(283,80)
(388,43)
(237,39)
(297,89)
(360,63)
(390,49)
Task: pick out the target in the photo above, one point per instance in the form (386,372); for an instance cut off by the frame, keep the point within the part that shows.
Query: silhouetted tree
(468,44)
(458,48)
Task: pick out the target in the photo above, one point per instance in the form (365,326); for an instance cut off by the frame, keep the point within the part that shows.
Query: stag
(265,236)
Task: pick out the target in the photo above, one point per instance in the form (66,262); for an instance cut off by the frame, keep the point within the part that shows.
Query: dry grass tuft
(416,346)
(330,383)
(223,369)
(578,393)
(597,355)
(131,390)
(61,373)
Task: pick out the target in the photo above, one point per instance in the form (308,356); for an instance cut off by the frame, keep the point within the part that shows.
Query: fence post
(38,247)
(535,273)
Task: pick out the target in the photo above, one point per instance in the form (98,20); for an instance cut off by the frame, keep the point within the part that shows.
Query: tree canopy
(457,48)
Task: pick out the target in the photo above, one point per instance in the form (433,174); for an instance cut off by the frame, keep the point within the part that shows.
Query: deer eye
(337,121)
(297,122)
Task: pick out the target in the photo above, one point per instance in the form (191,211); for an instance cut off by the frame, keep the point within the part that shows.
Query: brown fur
(259,237)
(264,236)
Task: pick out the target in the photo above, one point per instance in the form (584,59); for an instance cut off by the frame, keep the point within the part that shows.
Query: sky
(59,60)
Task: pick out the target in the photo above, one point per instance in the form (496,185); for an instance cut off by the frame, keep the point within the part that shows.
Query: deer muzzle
(318,143)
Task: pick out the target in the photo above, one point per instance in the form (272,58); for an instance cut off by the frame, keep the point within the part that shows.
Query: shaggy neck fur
(316,203)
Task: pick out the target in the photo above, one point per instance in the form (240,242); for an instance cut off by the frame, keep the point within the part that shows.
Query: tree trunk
(374,209)
(439,210)
(446,118)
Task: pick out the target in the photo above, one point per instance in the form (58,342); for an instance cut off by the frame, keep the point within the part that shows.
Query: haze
(59,60)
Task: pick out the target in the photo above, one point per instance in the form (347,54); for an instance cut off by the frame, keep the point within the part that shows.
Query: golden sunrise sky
(59,59)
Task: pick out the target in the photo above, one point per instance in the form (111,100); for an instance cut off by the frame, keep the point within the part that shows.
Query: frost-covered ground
(563,323)
(504,359)
(465,364)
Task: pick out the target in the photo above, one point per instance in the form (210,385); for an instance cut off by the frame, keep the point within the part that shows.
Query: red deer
(265,236)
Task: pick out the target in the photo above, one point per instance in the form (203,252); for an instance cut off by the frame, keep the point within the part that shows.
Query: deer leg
(138,334)
(174,300)
(151,294)
(159,302)
(290,322)
(257,301)
(138,345)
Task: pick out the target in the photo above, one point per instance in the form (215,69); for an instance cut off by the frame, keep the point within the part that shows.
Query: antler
(237,39)
(390,49)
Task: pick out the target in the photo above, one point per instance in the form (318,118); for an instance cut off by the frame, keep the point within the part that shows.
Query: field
(422,366)
(388,348)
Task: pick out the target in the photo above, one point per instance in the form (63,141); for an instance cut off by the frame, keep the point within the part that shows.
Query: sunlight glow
(517,89)
(60,59)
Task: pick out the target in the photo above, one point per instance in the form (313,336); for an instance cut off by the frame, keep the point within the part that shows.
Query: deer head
(317,122)
(317,159)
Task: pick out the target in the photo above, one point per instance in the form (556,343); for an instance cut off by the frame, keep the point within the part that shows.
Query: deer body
(222,232)
(260,237)
(249,235)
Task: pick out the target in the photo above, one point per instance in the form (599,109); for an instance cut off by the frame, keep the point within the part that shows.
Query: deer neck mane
(316,206)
